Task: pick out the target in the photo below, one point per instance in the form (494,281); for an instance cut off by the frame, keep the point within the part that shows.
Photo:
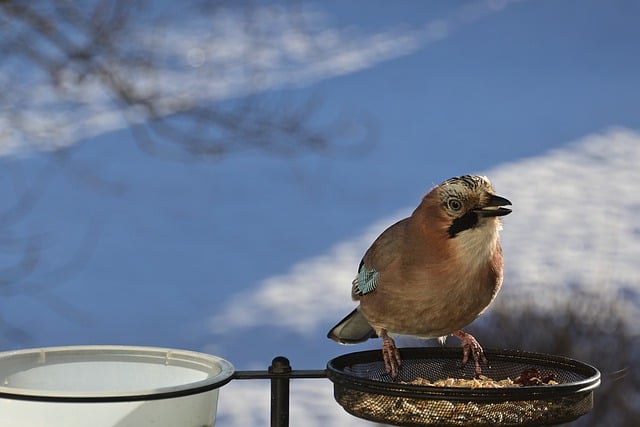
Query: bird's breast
(431,300)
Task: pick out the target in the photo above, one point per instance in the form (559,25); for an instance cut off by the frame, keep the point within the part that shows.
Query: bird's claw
(391,356)
(471,346)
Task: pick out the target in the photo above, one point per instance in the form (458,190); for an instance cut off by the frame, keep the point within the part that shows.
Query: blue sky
(451,87)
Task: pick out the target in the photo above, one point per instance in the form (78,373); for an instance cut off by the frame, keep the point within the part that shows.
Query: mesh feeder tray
(364,389)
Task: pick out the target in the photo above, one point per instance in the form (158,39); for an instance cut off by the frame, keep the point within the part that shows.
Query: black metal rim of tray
(590,375)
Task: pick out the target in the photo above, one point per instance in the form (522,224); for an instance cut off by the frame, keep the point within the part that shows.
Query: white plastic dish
(110,386)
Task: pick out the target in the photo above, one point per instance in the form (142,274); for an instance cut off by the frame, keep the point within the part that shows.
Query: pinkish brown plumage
(431,274)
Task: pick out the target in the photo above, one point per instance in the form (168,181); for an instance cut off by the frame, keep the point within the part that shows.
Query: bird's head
(469,201)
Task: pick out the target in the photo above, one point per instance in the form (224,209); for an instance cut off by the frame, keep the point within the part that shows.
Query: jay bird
(431,274)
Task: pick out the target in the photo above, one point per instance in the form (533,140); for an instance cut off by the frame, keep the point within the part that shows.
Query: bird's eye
(454,204)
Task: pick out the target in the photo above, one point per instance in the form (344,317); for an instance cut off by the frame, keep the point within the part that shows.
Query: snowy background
(251,256)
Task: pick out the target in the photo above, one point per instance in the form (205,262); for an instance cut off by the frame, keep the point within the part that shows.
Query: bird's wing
(365,282)
(384,250)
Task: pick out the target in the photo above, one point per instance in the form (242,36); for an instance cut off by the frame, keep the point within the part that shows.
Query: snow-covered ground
(251,256)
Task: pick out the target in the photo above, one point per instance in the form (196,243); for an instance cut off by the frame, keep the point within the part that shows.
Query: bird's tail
(352,329)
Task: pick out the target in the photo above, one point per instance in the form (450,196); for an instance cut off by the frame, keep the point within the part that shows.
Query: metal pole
(280,368)
(280,374)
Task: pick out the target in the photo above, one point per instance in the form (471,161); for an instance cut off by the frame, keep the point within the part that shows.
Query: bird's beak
(494,207)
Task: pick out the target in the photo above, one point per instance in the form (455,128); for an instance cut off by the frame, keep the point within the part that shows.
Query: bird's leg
(390,354)
(471,345)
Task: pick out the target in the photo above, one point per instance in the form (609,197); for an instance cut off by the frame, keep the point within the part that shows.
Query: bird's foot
(470,346)
(390,355)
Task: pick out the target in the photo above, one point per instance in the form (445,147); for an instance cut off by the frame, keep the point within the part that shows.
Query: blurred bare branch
(76,69)
(24,270)
(29,276)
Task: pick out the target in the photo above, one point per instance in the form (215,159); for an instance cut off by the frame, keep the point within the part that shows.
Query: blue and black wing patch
(366,281)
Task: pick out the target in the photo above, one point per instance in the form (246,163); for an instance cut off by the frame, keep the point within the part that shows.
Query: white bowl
(110,386)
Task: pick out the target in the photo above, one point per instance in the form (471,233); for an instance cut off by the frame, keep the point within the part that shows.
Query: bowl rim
(335,372)
(133,354)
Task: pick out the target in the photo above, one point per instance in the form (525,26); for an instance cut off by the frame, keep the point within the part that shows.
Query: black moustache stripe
(465,222)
